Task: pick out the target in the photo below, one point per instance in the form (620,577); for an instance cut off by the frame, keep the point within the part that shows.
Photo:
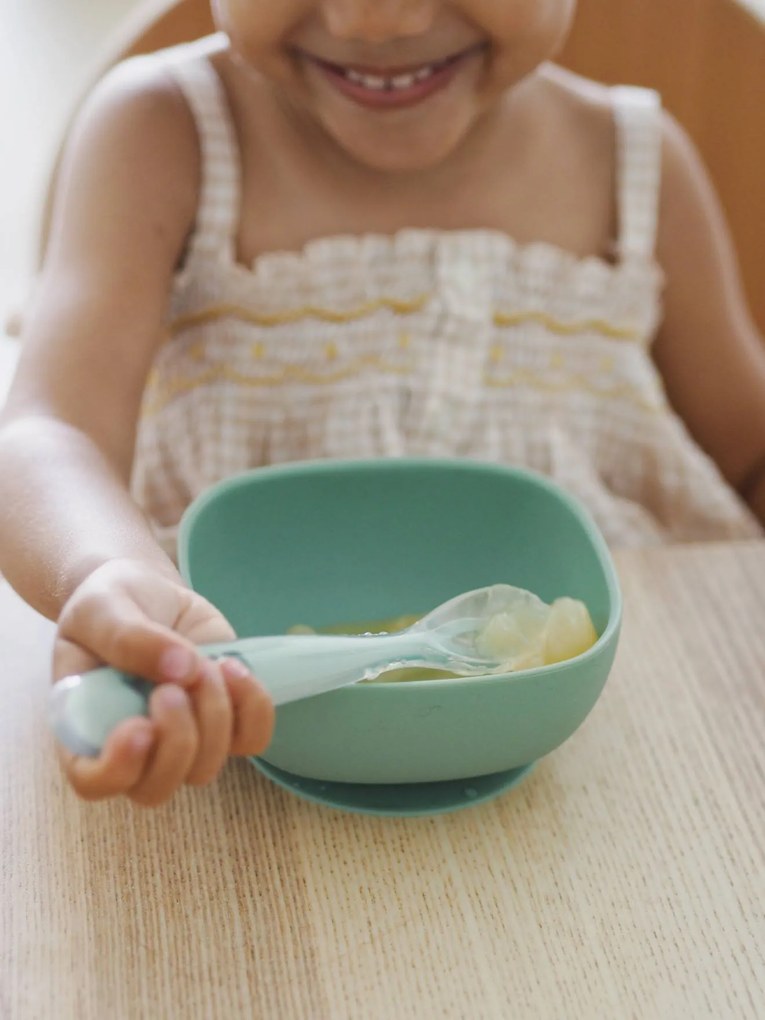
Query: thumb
(116,631)
(203,624)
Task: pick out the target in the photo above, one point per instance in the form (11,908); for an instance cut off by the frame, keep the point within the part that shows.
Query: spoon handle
(85,709)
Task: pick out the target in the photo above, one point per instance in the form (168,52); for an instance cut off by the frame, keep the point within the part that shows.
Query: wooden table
(624,878)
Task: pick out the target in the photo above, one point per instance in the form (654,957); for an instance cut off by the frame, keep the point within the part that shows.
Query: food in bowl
(534,634)
(528,635)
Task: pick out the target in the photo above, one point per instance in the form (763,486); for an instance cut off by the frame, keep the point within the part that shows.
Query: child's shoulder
(153,102)
(575,107)
(575,98)
(568,130)
(581,108)
(565,118)
(139,96)
(141,102)
(591,107)
(137,117)
(133,150)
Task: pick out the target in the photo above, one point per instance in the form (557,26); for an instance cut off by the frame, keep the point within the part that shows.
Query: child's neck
(470,156)
(512,174)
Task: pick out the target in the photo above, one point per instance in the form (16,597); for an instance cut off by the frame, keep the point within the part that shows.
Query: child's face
(397,84)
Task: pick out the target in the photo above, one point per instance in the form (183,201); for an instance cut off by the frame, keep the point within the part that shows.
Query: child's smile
(386,87)
(397,85)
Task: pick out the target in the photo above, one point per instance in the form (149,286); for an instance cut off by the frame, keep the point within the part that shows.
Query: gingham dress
(427,343)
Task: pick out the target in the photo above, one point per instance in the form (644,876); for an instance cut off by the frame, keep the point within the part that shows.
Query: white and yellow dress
(427,343)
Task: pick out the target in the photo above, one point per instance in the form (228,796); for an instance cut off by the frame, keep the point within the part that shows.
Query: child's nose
(377,21)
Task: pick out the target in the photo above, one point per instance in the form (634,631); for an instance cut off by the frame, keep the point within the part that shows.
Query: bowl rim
(370,464)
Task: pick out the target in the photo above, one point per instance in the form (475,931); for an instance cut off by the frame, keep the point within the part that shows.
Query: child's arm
(709,352)
(72,542)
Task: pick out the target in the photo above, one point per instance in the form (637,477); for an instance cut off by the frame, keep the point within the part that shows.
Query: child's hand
(142,620)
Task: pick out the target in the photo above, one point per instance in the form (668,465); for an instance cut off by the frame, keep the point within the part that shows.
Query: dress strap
(638,128)
(217,221)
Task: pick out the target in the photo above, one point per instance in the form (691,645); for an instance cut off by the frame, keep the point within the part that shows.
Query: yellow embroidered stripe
(572,384)
(508,319)
(162,392)
(501,319)
(297,314)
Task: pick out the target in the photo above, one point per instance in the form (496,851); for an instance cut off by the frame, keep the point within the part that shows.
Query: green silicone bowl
(331,542)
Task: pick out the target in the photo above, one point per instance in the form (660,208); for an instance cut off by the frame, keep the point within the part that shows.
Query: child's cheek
(260,30)
(539,24)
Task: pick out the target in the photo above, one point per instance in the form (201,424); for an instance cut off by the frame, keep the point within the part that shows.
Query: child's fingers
(214,716)
(253,709)
(175,748)
(119,766)
(116,631)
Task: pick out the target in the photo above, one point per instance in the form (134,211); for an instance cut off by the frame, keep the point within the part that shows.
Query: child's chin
(402,154)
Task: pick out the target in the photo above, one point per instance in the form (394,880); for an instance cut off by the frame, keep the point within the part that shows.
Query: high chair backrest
(706,57)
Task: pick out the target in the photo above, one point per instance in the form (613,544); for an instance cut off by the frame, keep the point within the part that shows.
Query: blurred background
(49,52)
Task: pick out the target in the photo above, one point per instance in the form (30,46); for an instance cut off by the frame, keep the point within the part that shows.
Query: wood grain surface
(625,878)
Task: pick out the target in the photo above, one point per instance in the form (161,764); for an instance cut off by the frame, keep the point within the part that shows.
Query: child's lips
(393,88)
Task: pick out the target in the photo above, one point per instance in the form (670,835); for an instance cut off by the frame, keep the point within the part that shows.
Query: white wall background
(48,52)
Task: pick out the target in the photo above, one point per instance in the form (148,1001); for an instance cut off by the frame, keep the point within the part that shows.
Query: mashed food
(535,634)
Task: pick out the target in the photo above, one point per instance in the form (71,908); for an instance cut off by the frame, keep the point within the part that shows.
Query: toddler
(355,228)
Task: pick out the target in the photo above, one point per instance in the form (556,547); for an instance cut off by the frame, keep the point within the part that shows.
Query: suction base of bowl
(404,800)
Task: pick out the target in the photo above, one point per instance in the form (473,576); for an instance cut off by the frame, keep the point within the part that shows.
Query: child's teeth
(403,81)
(377,83)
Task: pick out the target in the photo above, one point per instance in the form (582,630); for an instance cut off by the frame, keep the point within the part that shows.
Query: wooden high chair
(706,58)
